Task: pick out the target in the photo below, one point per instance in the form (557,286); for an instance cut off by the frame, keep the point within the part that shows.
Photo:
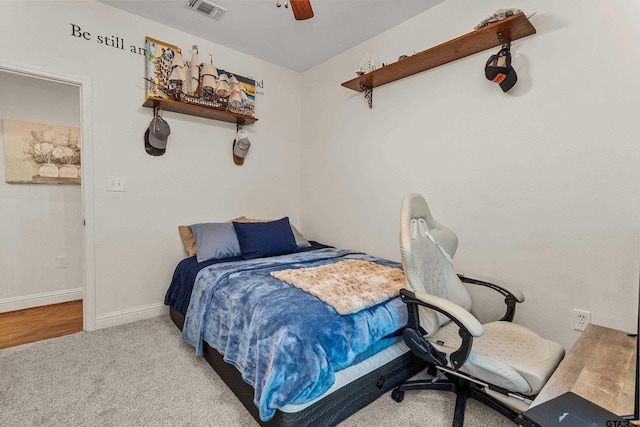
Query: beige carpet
(143,374)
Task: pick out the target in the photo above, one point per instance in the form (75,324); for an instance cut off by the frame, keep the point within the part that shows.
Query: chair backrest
(427,250)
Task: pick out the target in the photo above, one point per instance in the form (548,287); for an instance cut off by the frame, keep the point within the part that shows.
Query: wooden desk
(601,367)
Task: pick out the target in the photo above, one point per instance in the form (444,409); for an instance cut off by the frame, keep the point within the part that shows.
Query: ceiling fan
(301,8)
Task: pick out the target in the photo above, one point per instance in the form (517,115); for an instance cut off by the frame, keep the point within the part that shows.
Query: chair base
(463,389)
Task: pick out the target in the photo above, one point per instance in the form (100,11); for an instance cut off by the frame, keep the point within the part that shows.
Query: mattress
(353,387)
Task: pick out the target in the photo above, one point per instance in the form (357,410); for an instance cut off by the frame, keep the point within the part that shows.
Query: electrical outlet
(581,319)
(61,261)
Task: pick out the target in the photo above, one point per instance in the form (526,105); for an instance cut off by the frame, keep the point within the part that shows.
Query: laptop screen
(571,410)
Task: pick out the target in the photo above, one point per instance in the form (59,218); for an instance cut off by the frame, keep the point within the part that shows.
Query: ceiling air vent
(206,8)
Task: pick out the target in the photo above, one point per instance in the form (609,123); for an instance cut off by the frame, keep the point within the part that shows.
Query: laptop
(571,410)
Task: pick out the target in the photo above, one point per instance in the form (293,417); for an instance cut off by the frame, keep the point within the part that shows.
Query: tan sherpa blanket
(348,286)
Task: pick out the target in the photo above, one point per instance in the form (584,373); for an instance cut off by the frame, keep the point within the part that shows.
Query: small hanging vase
(48,170)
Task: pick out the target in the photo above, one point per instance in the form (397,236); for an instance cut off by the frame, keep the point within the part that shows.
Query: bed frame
(328,411)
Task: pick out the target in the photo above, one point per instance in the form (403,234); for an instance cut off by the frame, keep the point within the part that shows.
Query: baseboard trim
(131,315)
(37,300)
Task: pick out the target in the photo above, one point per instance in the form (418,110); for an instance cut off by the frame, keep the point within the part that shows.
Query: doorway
(84,283)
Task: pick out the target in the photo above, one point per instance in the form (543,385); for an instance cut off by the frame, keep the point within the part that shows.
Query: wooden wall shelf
(512,28)
(196,110)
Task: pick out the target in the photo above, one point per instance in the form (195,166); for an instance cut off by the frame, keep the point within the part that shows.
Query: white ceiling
(262,30)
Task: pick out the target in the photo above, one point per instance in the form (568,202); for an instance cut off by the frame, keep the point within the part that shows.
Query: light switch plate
(115,183)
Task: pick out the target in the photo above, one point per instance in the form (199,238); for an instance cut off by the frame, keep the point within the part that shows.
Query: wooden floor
(40,323)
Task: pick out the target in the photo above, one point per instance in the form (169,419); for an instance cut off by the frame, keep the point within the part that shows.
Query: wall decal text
(114,41)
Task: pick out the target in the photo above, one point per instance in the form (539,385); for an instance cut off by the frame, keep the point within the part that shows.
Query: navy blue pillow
(263,239)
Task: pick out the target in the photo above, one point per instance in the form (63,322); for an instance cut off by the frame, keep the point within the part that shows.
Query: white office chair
(500,364)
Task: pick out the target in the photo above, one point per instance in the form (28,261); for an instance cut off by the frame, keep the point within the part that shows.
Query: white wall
(541,184)
(136,240)
(39,222)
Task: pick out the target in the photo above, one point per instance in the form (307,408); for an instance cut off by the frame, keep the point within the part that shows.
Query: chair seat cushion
(506,355)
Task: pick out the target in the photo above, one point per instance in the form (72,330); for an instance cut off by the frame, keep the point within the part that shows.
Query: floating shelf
(196,110)
(512,28)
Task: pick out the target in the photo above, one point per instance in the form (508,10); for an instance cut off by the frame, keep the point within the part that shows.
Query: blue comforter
(286,343)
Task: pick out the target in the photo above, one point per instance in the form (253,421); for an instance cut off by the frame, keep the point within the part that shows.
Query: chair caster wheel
(397,395)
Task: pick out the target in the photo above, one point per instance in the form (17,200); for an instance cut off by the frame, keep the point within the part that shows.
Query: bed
(290,357)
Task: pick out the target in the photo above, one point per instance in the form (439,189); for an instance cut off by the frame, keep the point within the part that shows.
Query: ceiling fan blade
(301,9)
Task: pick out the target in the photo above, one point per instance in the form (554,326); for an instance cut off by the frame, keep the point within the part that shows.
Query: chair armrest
(468,327)
(453,311)
(511,295)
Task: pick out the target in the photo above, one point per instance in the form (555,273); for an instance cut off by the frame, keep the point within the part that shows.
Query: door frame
(86,136)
